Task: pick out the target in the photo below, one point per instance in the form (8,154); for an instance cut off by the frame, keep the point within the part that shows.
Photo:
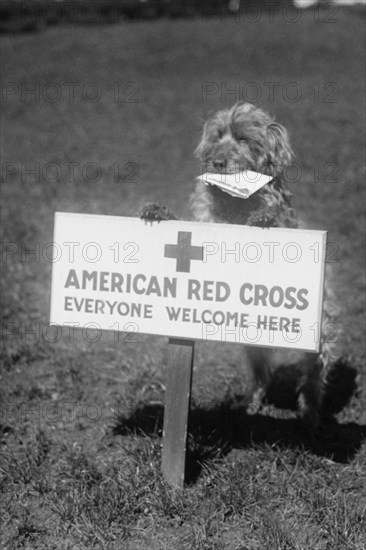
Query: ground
(112,123)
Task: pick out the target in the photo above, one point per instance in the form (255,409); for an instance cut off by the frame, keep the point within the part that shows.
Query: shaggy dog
(246,138)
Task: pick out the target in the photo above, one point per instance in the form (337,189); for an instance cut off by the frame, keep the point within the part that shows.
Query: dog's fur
(245,137)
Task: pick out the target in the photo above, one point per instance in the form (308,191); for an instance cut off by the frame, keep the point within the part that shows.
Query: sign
(200,281)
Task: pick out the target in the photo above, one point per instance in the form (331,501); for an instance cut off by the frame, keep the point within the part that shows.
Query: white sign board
(191,280)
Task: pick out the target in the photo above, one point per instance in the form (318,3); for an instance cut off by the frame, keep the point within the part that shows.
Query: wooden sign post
(188,281)
(176,412)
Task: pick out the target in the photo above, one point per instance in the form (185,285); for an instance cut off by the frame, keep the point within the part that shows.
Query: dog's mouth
(224,171)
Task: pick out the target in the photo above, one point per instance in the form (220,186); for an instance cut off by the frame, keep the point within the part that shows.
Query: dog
(245,137)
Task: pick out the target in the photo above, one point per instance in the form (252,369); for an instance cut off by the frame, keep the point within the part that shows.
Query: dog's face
(244,138)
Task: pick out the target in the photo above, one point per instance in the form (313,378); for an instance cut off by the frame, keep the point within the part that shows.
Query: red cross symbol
(183,252)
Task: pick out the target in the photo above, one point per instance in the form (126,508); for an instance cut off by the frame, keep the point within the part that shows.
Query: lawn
(100,120)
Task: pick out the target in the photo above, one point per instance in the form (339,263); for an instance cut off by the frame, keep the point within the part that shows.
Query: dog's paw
(265,218)
(256,402)
(153,212)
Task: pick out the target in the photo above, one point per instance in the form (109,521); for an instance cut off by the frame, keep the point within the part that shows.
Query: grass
(81,422)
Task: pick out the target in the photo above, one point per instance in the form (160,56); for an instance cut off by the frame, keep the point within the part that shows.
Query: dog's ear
(209,129)
(198,152)
(279,148)
(201,147)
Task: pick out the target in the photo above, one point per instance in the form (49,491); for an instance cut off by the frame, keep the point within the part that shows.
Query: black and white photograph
(183,224)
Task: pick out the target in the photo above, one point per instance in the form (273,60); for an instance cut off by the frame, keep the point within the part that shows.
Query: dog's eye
(243,140)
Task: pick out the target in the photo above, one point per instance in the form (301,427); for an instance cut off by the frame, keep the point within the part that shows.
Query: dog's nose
(219,164)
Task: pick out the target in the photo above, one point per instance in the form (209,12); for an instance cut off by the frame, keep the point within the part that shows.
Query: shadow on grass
(213,432)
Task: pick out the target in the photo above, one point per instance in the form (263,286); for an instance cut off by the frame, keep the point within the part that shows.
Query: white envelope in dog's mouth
(237,184)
